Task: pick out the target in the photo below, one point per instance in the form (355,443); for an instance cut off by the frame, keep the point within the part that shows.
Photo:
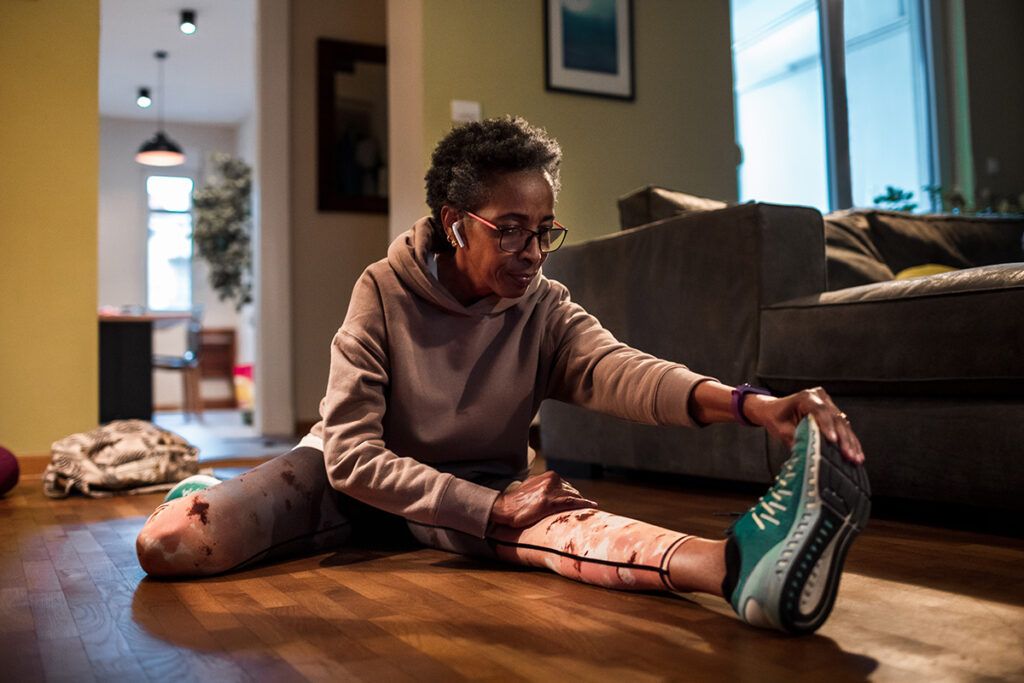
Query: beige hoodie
(429,402)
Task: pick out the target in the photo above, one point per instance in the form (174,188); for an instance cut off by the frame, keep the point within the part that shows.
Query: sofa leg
(574,469)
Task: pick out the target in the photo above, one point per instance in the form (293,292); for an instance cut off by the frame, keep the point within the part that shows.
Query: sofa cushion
(952,334)
(850,268)
(905,241)
(851,258)
(652,203)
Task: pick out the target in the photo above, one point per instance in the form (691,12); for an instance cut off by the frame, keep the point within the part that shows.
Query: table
(126,362)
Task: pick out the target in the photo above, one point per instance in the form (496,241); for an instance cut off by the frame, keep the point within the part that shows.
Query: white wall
(245,149)
(405,115)
(274,412)
(122,232)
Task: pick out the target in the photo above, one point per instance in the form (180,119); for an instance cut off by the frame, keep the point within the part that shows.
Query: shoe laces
(773,500)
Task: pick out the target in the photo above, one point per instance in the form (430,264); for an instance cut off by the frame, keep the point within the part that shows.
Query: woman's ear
(449,215)
(452,225)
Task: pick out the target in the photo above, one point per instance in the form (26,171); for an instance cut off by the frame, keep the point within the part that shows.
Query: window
(779,94)
(802,141)
(886,100)
(169,246)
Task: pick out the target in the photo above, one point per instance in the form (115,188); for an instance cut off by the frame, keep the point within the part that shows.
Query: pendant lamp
(160,150)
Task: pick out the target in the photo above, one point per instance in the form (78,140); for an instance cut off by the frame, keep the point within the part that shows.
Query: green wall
(677,133)
(50,141)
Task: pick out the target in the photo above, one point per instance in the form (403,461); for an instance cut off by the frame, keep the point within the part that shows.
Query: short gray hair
(470,155)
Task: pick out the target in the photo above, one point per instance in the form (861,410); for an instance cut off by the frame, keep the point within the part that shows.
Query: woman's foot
(784,557)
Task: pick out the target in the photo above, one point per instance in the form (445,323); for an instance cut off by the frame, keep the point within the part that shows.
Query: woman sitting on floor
(448,348)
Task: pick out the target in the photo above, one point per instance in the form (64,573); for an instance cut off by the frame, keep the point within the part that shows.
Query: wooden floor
(917,603)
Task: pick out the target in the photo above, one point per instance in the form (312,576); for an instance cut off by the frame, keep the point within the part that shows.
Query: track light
(188,22)
(144,100)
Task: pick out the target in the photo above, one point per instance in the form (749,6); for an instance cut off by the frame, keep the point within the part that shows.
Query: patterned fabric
(121,457)
(287,507)
(595,547)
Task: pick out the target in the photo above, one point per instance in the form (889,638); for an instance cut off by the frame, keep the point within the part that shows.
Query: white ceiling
(208,77)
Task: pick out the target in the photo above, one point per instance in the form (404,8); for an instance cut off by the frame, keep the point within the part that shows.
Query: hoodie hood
(408,256)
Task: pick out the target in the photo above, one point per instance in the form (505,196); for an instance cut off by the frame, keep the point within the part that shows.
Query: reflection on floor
(916,603)
(221,436)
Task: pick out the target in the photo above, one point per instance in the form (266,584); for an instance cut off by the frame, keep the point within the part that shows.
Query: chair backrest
(217,358)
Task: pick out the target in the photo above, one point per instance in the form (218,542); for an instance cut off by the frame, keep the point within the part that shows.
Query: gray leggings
(287,507)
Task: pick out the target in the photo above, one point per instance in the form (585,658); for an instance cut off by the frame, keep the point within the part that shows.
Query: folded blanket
(121,457)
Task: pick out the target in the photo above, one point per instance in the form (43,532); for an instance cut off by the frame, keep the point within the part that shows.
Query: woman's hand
(534,499)
(780,416)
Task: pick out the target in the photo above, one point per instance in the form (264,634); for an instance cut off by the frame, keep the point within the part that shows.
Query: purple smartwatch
(739,394)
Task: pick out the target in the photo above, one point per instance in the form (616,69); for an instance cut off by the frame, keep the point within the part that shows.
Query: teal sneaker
(190,485)
(784,557)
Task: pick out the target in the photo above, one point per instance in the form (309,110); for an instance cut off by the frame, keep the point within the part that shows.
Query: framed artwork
(588,47)
(352,127)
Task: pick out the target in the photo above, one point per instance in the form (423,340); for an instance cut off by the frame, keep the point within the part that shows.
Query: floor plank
(916,602)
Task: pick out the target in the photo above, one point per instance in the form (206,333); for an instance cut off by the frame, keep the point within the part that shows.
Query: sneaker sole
(810,587)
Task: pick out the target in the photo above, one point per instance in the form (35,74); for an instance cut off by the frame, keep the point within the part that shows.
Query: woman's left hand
(780,416)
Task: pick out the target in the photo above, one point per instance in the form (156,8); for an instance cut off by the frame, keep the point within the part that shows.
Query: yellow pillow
(922,270)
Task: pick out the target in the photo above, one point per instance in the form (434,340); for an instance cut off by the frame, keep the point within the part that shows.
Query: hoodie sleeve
(358,462)
(591,368)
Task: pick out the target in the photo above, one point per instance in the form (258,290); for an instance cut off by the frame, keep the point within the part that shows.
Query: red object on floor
(9,471)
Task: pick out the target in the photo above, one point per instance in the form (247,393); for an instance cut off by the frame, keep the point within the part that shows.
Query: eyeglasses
(513,239)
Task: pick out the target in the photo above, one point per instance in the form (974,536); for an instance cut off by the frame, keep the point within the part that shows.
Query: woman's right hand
(536,498)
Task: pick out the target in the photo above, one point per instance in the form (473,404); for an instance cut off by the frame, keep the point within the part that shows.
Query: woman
(448,348)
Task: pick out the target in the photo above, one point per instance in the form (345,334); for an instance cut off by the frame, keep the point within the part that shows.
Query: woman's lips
(522,279)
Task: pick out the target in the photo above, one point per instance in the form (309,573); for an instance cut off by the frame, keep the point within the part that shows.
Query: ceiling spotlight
(188,22)
(144,100)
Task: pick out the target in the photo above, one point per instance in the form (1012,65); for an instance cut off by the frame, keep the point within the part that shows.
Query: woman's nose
(531,252)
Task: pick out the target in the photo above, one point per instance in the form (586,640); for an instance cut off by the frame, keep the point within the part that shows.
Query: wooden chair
(217,359)
(188,365)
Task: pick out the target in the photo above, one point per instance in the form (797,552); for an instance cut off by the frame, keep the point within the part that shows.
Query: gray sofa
(930,369)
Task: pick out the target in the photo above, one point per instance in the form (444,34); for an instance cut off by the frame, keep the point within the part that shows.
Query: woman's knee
(171,543)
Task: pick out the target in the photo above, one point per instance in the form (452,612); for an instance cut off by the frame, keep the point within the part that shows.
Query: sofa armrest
(690,288)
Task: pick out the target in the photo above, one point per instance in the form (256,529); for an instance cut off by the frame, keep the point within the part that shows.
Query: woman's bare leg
(698,566)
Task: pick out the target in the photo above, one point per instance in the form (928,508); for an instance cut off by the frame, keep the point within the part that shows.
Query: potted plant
(223,228)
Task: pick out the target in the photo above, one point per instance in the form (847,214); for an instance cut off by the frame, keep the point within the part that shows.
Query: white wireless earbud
(458,235)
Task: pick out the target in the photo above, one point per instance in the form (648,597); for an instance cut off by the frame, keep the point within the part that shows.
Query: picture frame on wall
(352,127)
(588,47)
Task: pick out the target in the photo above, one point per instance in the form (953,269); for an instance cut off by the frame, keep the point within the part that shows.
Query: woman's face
(524,200)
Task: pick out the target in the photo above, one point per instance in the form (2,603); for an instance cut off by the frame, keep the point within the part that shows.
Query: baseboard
(33,465)
(208,404)
(219,404)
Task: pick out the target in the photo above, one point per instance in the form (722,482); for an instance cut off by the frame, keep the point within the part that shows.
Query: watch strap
(739,395)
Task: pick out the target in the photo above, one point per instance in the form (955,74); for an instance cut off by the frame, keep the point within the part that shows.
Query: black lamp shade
(160,150)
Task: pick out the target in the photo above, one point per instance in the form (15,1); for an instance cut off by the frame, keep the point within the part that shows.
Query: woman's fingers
(574,502)
(836,426)
(851,447)
(551,506)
